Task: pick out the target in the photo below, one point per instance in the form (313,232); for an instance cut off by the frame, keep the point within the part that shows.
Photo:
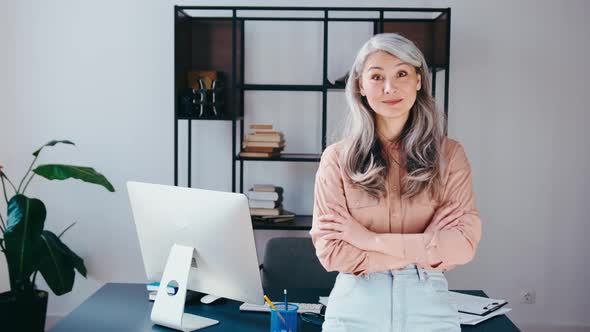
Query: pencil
(272,305)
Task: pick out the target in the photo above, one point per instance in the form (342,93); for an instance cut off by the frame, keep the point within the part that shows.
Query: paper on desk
(467,319)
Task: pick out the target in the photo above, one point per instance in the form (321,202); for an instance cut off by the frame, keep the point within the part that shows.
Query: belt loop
(422,273)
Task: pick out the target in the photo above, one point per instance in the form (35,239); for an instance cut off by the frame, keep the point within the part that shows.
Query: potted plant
(30,249)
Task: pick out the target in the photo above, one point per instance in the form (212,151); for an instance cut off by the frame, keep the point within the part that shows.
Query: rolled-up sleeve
(450,247)
(338,255)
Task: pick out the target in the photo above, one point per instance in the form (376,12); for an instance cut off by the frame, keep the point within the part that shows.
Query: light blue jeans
(407,300)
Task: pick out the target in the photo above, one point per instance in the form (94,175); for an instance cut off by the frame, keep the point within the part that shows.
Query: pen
(286,303)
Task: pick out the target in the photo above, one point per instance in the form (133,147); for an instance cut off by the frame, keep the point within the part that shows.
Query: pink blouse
(398,222)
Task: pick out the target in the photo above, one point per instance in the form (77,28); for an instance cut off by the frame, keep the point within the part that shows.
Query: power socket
(527,296)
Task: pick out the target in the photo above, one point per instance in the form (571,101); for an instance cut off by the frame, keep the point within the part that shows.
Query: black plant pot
(26,313)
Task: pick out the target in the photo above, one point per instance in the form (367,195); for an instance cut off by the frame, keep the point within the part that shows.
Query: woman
(393,206)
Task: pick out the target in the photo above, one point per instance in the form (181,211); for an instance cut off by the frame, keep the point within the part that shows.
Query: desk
(124,307)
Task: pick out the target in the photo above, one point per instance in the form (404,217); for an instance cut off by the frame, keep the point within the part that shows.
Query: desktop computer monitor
(217,224)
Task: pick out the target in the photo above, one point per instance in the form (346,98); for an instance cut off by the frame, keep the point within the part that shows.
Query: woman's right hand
(446,216)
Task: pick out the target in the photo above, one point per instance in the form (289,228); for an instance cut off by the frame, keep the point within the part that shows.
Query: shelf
(195,117)
(281,87)
(331,86)
(306,157)
(313,8)
(215,40)
(302,222)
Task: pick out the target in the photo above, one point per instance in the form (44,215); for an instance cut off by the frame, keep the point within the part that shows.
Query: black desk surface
(125,307)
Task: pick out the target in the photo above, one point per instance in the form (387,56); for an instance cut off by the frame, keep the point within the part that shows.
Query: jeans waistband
(411,270)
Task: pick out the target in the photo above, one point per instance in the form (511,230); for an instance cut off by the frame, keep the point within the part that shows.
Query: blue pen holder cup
(282,320)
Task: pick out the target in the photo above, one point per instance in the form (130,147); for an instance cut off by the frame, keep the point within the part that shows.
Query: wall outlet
(527,296)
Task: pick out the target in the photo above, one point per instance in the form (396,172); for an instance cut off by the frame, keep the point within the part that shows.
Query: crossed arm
(342,244)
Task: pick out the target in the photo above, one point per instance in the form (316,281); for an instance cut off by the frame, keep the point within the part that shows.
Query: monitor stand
(168,309)
(208,299)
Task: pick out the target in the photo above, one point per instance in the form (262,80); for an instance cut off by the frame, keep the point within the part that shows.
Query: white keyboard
(303,307)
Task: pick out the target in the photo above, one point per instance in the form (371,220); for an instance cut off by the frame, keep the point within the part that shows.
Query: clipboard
(489,310)
(475,305)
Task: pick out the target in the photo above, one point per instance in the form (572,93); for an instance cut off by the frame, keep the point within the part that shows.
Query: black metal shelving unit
(205,42)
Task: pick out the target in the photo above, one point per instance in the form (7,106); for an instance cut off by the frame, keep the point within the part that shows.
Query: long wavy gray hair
(421,137)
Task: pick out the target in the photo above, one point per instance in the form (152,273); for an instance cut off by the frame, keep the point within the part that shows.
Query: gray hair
(420,140)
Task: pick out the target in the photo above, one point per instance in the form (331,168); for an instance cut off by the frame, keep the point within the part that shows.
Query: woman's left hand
(340,225)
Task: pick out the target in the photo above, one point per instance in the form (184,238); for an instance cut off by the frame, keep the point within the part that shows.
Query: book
(260,126)
(264,187)
(267,132)
(264,138)
(265,196)
(264,144)
(260,204)
(259,154)
(262,196)
(265,212)
(267,188)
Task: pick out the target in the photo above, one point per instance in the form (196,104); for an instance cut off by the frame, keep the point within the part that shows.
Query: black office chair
(291,262)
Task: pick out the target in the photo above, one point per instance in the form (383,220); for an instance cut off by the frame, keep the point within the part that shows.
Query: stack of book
(262,142)
(265,202)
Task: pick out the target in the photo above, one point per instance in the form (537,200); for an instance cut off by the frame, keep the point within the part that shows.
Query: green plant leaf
(62,172)
(51,143)
(76,261)
(54,264)
(26,217)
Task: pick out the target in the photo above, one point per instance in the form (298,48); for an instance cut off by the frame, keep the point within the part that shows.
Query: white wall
(518,105)
(100,74)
